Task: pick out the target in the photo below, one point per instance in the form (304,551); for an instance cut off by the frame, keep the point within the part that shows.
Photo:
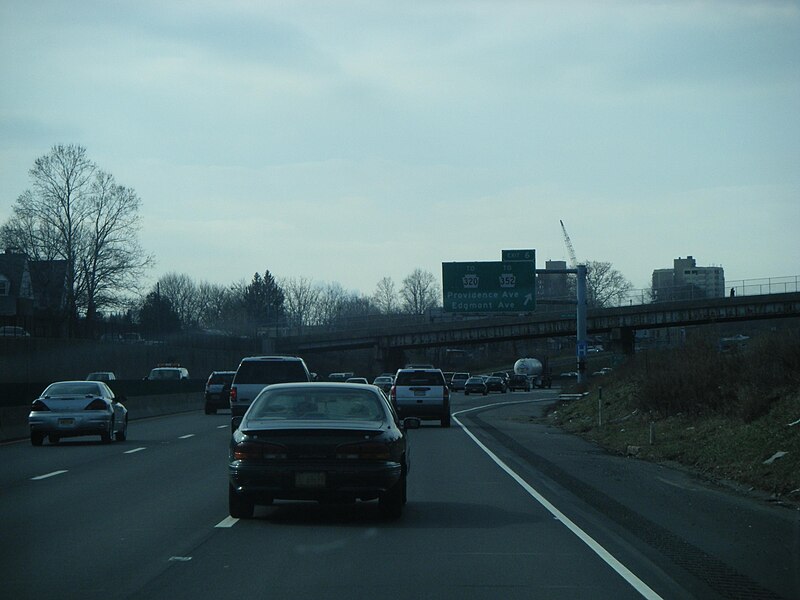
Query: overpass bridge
(621,323)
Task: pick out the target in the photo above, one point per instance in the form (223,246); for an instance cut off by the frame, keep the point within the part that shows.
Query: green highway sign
(514,255)
(489,286)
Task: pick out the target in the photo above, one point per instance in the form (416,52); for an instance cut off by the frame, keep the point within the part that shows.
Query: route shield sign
(489,286)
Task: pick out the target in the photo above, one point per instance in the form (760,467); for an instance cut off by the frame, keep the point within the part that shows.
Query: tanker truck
(537,371)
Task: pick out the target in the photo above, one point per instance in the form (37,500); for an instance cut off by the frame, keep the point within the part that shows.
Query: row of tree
(77,213)
(177,302)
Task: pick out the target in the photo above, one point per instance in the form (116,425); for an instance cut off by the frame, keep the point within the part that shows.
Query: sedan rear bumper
(314,480)
(69,424)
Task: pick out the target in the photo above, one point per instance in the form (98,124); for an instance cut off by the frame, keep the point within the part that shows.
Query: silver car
(74,408)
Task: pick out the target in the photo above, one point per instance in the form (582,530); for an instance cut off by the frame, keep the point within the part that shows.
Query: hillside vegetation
(732,416)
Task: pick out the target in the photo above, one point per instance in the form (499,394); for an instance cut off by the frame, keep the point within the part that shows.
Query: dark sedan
(496,384)
(330,442)
(475,385)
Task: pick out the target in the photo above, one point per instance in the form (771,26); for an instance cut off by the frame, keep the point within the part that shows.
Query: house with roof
(16,287)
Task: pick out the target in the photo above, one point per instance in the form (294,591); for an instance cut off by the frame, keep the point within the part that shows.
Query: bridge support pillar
(626,338)
(388,360)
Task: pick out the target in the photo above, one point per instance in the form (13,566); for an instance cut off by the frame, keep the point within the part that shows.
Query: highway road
(499,507)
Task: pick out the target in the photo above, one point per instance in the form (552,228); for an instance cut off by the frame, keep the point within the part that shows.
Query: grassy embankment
(723,414)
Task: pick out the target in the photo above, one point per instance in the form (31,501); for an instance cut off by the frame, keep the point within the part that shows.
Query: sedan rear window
(77,388)
(346,405)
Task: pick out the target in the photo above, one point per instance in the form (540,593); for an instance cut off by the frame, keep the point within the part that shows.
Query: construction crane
(573,261)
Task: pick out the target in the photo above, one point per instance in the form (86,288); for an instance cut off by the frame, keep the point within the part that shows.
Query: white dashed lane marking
(53,474)
(227,522)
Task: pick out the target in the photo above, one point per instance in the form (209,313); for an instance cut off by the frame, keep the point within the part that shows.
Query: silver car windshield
(77,388)
(340,405)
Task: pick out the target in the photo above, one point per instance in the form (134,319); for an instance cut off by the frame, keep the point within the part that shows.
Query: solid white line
(222,426)
(186,437)
(227,522)
(53,474)
(134,450)
(604,554)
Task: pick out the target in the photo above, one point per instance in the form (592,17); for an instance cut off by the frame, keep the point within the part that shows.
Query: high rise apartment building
(686,281)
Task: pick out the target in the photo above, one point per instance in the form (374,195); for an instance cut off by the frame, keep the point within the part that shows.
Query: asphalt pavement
(503,508)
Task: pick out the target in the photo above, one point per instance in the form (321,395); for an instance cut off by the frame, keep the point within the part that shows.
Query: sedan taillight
(39,406)
(363,451)
(233,393)
(98,404)
(258,451)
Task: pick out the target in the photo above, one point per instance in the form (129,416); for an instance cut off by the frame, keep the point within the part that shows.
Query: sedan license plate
(66,422)
(419,393)
(309,480)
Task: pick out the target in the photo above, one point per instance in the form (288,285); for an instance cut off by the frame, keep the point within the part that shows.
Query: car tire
(466,393)
(392,500)
(444,421)
(122,434)
(53,438)
(106,436)
(239,506)
(37,438)
(210,410)
(486,393)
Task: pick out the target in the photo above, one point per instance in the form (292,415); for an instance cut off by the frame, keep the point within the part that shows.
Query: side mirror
(411,423)
(235,422)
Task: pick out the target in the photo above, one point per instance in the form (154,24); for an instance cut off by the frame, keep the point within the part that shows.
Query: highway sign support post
(582,344)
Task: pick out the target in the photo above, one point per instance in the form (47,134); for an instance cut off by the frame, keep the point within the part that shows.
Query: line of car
(291,438)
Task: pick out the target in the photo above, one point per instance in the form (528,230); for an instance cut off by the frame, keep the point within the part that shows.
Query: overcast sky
(348,141)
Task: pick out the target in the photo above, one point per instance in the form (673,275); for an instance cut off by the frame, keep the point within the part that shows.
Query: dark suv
(257,372)
(519,382)
(218,388)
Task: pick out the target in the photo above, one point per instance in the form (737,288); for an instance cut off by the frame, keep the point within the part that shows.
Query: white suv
(257,372)
(421,393)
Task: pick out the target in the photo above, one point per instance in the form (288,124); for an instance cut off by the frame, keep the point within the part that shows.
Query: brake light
(258,451)
(97,404)
(39,406)
(393,394)
(232,395)
(363,451)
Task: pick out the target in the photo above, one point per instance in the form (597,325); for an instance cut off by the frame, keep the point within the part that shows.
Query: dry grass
(722,414)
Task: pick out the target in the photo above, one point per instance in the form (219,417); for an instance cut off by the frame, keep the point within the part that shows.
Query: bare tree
(385,297)
(111,258)
(605,286)
(213,299)
(329,304)
(77,213)
(420,292)
(26,232)
(302,296)
(181,292)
